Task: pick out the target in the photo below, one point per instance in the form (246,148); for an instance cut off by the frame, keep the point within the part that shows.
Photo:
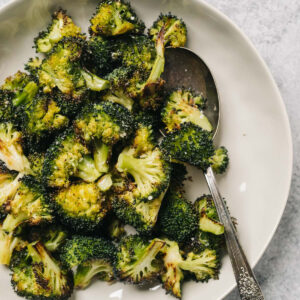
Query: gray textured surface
(274,28)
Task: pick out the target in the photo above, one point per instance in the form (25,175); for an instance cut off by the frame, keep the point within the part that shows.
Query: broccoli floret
(53,238)
(108,122)
(101,155)
(115,228)
(9,183)
(219,161)
(42,118)
(182,106)
(137,260)
(206,240)
(105,182)
(87,170)
(172,275)
(11,150)
(177,218)
(61,26)
(22,86)
(81,206)
(37,275)
(189,144)
(141,215)
(29,206)
(203,266)
(92,257)
(118,96)
(7,112)
(33,65)
(36,160)
(9,243)
(62,69)
(208,216)
(115,17)
(62,159)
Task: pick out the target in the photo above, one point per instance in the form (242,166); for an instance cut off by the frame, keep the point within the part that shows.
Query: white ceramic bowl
(254,126)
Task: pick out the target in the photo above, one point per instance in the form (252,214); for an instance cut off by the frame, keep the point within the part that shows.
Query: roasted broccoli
(105,121)
(11,150)
(53,237)
(61,26)
(137,260)
(105,182)
(189,144)
(115,228)
(7,112)
(37,275)
(62,159)
(177,218)
(9,243)
(81,206)
(28,207)
(33,65)
(183,106)
(208,216)
(92,257)
(219,161)
(36,160)
(115,17)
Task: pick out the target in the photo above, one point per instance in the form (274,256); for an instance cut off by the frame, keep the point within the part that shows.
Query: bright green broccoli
(61,26)
(37,275)
(28,207)
(137,260)
(93,257)
(183,106)
(11,148)
(189,144)
(62,159)
(81,206)
(115,17)
(220,160)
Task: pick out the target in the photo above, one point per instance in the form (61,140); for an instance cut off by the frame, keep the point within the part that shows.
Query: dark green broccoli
(37,275)
(92,257)
(61,26)
(9,183)
(28,207)
(81,206)
(183,106)
(62,69)
(33,65)
(172,275)
(137,260)
(202,265)
(208,216)
(115,17)
(23,88)
(190,144)
(220,160)
(9,243)
(115,228)
(62,159)
(7,112)
(36,160)
(11,148)
(108,122)
(177,218)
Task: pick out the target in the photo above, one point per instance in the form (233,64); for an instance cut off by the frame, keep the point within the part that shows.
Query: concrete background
(274,28)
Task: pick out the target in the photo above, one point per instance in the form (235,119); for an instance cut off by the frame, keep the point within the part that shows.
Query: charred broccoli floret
(137,259)
(81,206)
(208,216)
(189,144)
(28,207)
(108,122)
(36,160)
(37,275)
(9,243)
(220,160)
(7,112)
(22,87)
(115,17)
(61,26)
(177,218)
(183,106)
(94,257)
(11,150)
(33,65)
(62,159)
(172,275)
(203,265)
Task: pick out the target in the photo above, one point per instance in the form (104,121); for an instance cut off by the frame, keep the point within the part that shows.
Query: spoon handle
(248,286)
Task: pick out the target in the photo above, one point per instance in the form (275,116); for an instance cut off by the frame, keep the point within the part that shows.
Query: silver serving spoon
(185,69)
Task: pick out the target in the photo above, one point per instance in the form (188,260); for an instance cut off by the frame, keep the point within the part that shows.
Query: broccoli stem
(87,169)
(120,98)
(94,82)
(7,244)
(101,154)
(26,95)
(53,245)
(11,222)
